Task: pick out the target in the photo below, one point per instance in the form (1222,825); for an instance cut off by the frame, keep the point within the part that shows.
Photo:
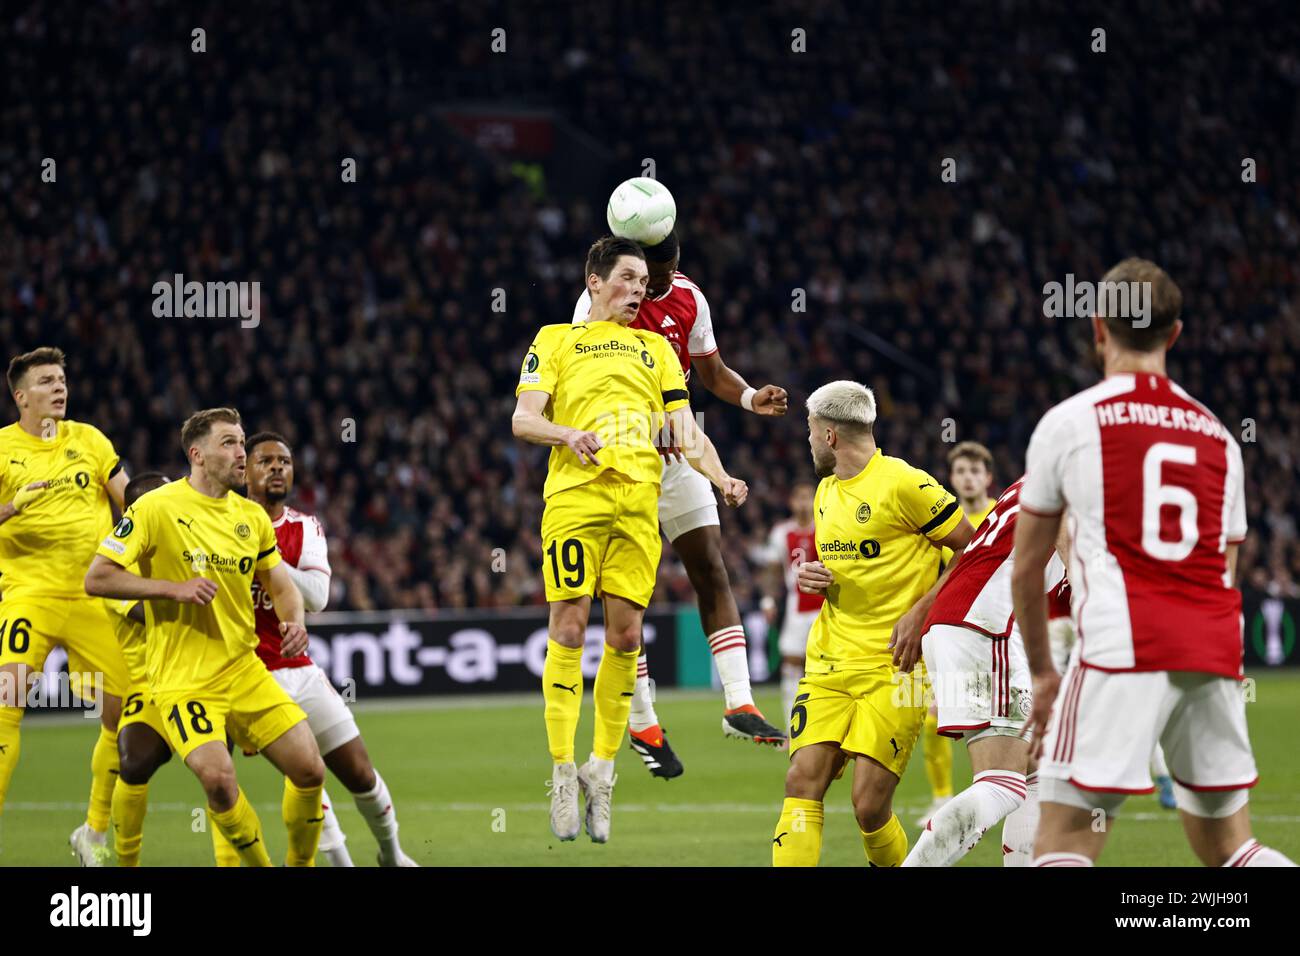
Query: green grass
(468,781)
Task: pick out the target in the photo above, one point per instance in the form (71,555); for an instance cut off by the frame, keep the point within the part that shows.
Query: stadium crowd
(378,352)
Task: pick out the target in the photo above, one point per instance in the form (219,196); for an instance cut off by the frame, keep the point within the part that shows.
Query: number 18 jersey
(1154,490)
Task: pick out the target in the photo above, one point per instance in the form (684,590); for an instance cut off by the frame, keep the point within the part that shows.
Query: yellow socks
(244,831)
(615,684)
(938,758)
(798,837)
(11,719)
(222,851)
(130,801)
(103,775)
(303,818)
(562,692)
(886,846)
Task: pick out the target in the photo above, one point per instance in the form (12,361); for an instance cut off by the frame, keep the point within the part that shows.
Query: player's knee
(871,811)
(624,638)
(309,775)
(135,767)
(708,574)
(802,784)
(569,632)
(221,787)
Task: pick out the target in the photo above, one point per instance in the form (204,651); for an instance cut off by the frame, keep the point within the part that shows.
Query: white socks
(377,809)
(963,820)
(642,714)
(333,843)
(732,660)
(1019,827)
(790,677)
(1254,853)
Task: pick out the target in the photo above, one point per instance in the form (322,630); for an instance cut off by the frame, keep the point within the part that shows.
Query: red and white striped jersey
(681,315)
(977,593)
(1154,492)
(792,544)
(302,544)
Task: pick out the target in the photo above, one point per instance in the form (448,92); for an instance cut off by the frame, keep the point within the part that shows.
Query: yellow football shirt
(873,534)
(976,518)
(609,379)
(176,533)
(46,550)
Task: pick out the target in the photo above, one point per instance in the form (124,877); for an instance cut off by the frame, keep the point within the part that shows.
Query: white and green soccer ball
(642,210)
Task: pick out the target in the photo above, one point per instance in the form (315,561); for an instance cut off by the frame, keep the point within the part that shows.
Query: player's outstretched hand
(734,491)
(1046,687)
(584,445)
(667,445)
(27,494)
(770,400)
(813,577)
(196,591)
(905,641)
(293,639)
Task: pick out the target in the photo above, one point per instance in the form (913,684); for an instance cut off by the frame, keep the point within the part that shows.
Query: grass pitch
(468,778)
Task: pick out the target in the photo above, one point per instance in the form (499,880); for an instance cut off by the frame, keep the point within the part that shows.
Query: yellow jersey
(46,550)
(609,379)
(976,518)
(874,534)
(175,533)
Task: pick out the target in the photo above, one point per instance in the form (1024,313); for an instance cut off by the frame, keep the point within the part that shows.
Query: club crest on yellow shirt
(242,530)
(864,513)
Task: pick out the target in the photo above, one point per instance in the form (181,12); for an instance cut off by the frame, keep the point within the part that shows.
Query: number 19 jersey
(1154,489)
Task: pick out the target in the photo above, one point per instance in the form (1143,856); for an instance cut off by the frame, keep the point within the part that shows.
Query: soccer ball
(642,210)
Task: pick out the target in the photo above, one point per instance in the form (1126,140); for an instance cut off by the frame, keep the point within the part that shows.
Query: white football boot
(564,801)
(597,779)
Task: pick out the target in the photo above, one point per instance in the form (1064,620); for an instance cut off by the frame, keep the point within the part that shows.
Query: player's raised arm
(703,457)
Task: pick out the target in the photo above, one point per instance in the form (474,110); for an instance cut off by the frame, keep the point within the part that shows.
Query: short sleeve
(106,456)
(538,372)
(672,380)
(701,341)
(582,309)
(1235,491)
(268,552)
(315,550)
(1042,492)
(131,538)
(926,505)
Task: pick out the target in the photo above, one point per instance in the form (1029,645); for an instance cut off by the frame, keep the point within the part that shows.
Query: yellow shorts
(602,538)
(138,707)
(30,627)
(247,699)
(866,712)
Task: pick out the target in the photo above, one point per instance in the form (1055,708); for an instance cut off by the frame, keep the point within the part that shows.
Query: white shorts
(1105,726)
(981,684)
(1060,636)
(794,631)
(686,500)
(329,718)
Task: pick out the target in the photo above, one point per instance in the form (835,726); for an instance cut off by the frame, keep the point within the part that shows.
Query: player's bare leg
(998,790)
(1226,841)
(1069,836)
(883,837)
(141,751)
(701,552)
(227,805)
(797,840)
(294,754)
(350,763)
